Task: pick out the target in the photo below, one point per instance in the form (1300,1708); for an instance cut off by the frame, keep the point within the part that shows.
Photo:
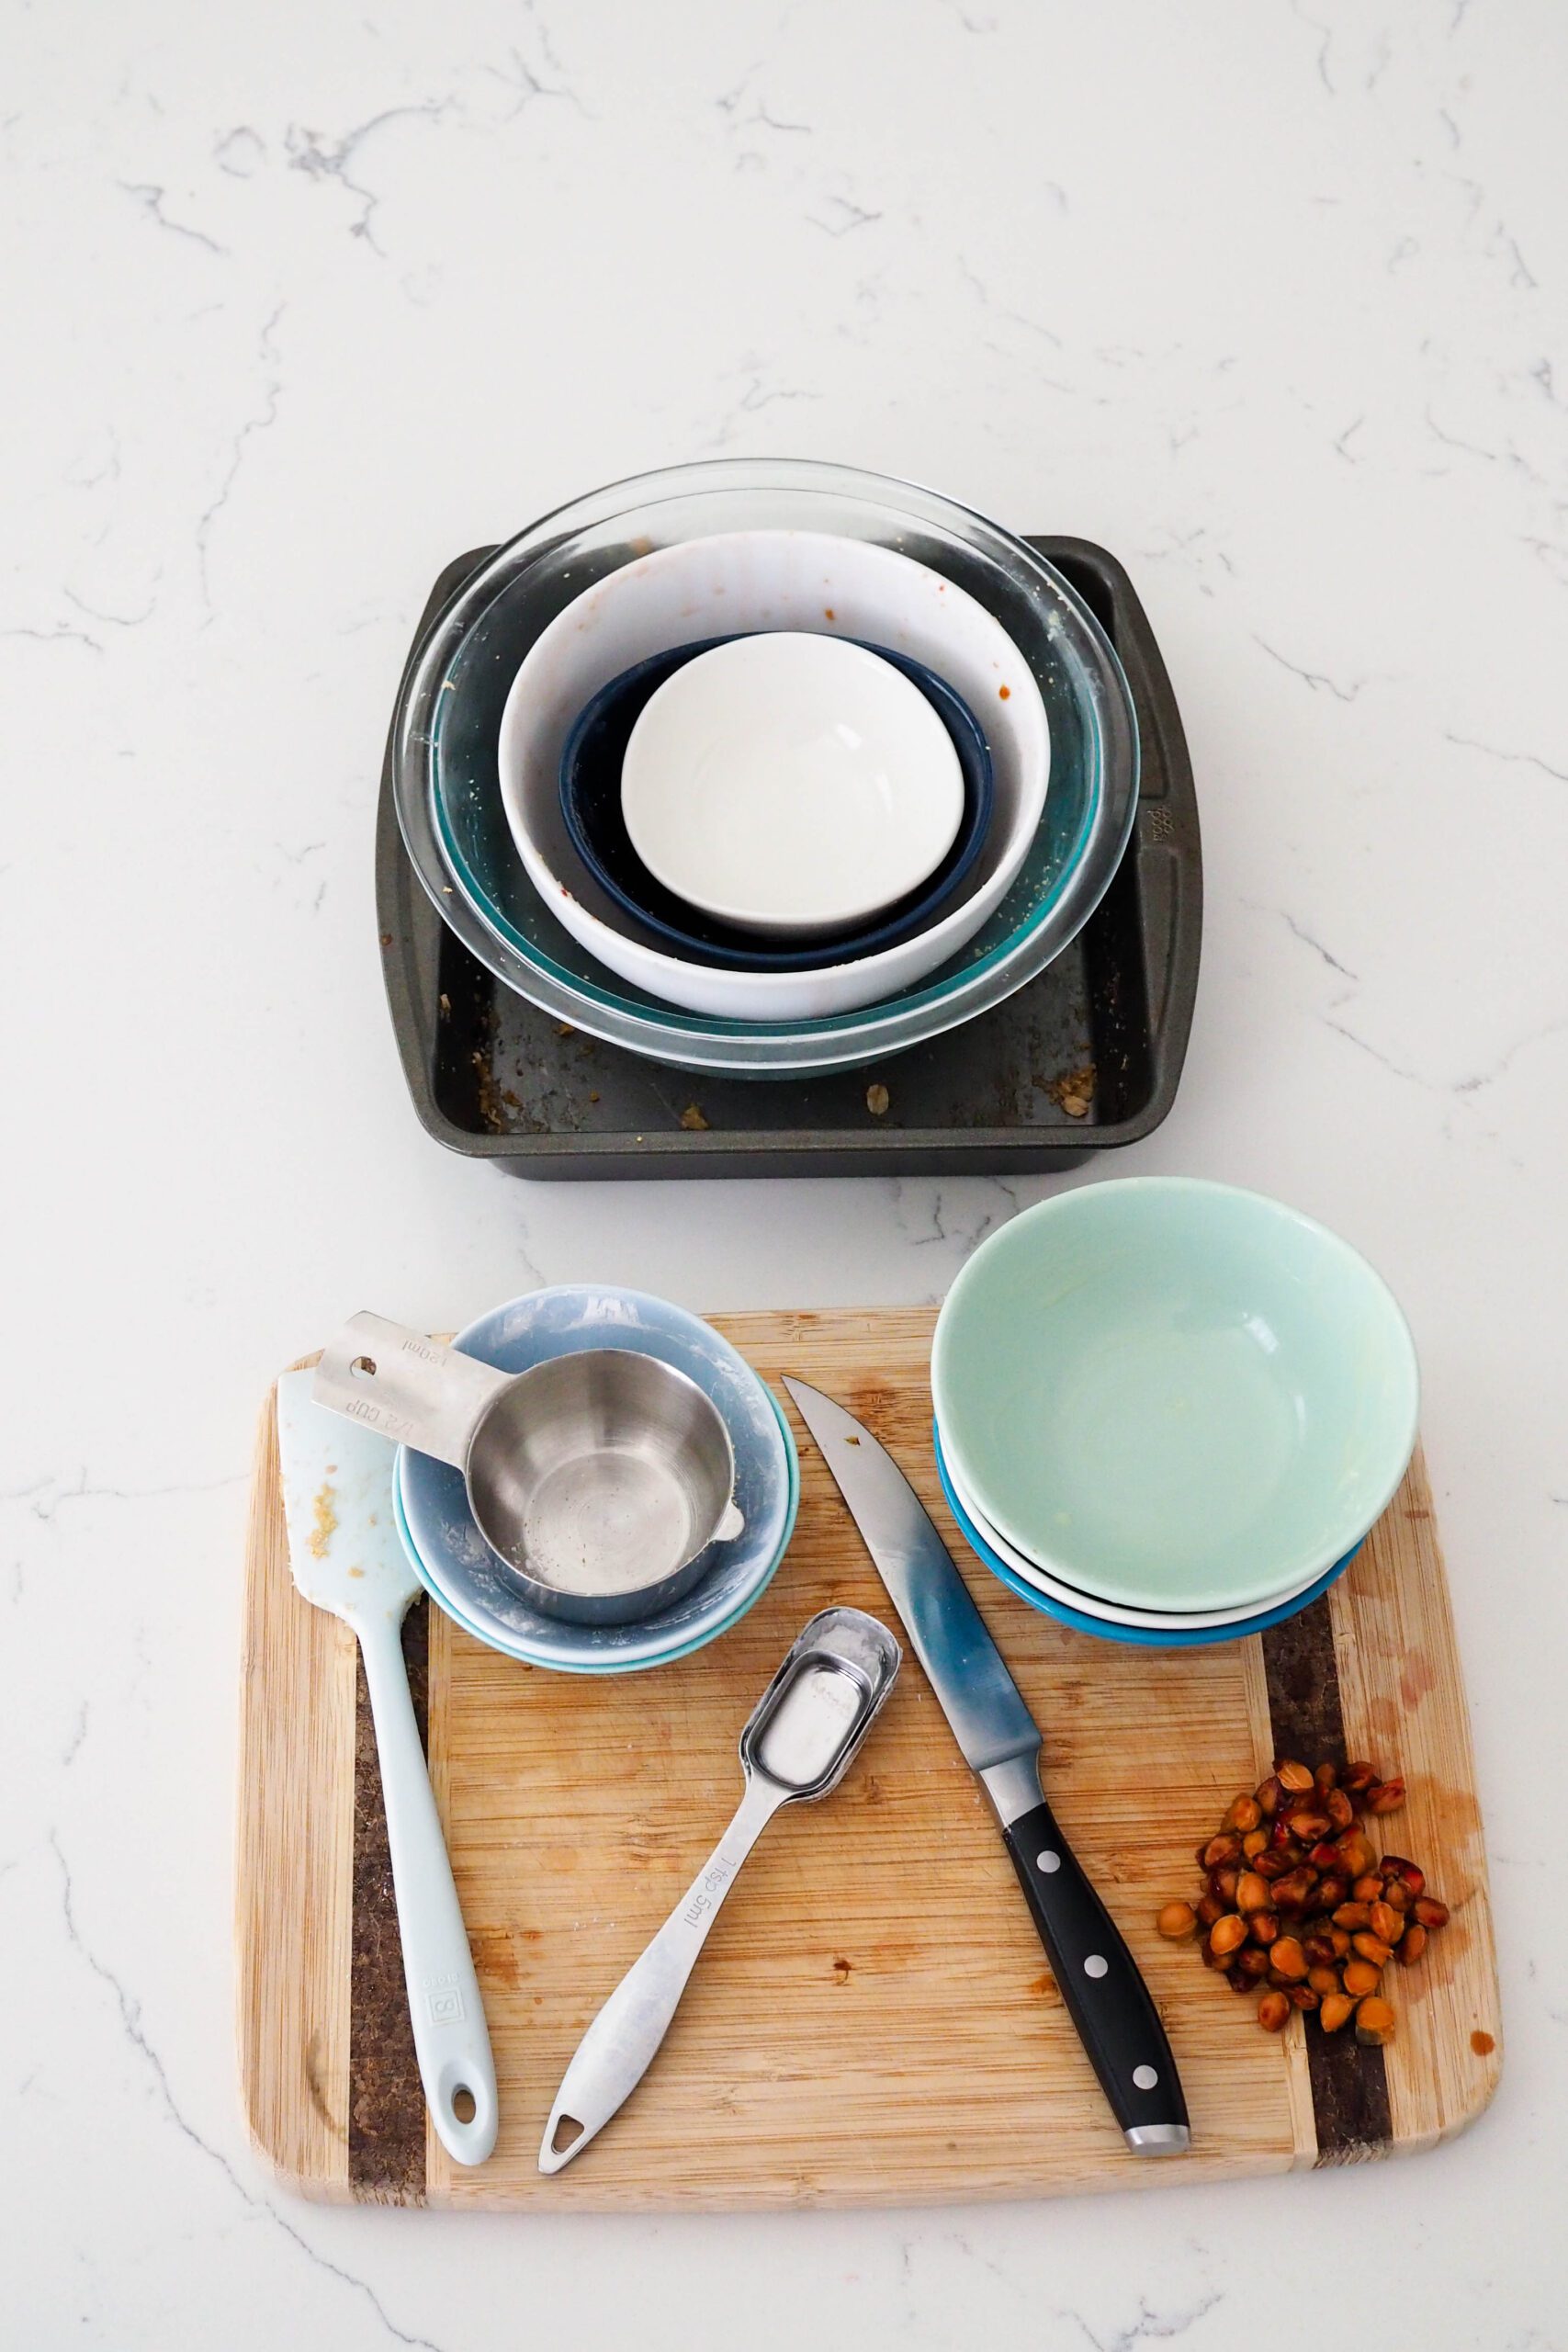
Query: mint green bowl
(1175,1394)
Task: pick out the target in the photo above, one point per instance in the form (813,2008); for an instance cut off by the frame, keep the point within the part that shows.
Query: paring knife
(1106,1997)
(346,1555)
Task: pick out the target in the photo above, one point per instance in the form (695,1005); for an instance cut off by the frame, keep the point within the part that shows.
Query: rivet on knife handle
(1098,1980)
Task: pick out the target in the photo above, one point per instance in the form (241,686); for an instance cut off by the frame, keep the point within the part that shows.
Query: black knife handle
(1098,1978)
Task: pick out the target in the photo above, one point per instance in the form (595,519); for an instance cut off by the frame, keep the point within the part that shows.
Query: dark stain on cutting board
(386,2100)
(1350,2084)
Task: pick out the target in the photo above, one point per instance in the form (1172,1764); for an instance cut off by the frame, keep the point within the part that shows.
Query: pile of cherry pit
(1298,1909)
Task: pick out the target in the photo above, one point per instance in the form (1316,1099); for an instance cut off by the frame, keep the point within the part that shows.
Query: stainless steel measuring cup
(803,1735)
(598,1479)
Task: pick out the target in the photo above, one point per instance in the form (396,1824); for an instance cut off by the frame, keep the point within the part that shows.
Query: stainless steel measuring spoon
(598,1479)
(804,1734)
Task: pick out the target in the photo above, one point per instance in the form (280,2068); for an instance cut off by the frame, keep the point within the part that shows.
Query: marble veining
(304,300)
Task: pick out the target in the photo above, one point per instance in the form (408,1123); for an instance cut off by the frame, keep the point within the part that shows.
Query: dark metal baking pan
(1083,1058)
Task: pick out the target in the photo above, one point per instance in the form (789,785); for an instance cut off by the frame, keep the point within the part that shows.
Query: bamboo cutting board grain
(873,2021)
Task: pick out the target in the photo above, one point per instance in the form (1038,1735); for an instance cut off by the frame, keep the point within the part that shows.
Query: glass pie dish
(448,720)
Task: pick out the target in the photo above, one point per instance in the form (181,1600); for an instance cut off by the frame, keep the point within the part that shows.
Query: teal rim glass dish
(448,720)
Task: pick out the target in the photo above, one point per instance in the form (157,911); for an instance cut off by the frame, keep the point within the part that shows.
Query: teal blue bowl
(1174,1395)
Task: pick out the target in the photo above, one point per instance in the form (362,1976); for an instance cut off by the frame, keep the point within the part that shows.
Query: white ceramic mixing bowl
(737,582)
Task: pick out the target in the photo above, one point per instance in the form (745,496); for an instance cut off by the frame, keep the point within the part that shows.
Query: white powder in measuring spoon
(810,1725)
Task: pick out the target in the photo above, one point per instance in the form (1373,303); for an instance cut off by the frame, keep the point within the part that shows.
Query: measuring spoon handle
(619,2046)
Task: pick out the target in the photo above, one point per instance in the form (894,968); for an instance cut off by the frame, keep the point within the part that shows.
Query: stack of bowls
(467,1580)
(592,746)
(1168,1413)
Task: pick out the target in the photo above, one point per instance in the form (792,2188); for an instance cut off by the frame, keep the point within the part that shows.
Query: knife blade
(1000,1739)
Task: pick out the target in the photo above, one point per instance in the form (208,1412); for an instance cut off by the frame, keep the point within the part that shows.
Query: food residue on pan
(325,1526)
(692,1120)
(877,1098)
(1074,1091)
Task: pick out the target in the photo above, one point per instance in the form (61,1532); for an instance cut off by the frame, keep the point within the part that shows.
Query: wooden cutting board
(873,2021)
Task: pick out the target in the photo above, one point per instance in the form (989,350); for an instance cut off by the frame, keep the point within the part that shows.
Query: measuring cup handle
(412,1389)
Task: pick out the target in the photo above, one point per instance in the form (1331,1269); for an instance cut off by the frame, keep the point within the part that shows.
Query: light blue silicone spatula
(347,1557)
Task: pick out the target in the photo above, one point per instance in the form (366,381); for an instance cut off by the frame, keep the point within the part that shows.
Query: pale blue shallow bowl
(1141,1637)
(1174,1395)
(457,1566)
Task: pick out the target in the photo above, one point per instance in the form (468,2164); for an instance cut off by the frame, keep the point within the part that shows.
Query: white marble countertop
(303,299)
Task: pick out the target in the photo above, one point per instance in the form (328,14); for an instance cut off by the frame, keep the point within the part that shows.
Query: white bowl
(732,583)
(1112,1612)
(791,784)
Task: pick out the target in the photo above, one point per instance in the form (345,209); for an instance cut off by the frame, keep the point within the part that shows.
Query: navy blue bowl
(591,804)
